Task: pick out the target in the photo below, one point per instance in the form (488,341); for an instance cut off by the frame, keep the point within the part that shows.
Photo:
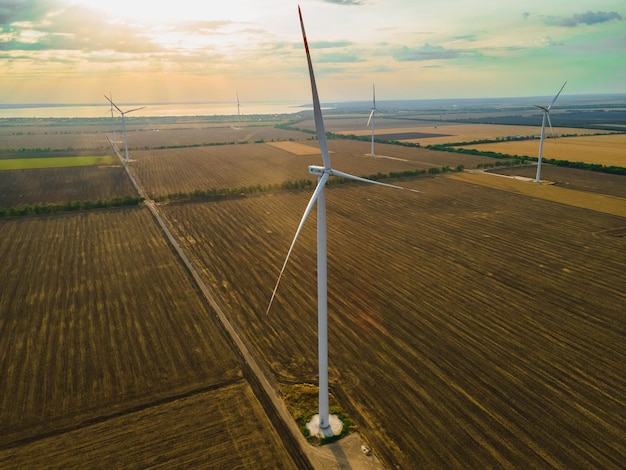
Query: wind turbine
(322,421)
(546,115)
(123,113)
(114,136)
(371,118)
(238,113)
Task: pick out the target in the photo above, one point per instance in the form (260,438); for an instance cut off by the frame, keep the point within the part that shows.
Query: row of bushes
(612,169)
(53,208)
(213,193)
(183,146)
(514,162)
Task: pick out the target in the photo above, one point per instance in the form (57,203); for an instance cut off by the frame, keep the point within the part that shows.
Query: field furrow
(98,319)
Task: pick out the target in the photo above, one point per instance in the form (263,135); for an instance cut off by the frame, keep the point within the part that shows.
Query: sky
(75,51)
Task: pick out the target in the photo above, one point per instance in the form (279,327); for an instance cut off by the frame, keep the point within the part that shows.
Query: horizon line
(15,105)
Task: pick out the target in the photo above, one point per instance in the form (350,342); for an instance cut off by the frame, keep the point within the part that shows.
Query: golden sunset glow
(73,51)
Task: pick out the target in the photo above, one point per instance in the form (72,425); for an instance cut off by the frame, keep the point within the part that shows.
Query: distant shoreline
(162,109)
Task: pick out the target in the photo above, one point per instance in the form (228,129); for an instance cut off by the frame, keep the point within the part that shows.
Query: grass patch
(56,162)
(302,400)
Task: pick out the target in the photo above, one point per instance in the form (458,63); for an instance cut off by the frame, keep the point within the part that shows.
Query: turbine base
(334,428)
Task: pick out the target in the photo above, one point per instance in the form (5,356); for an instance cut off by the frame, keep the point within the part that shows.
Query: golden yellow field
(609,150)
(295,148)
(465,132)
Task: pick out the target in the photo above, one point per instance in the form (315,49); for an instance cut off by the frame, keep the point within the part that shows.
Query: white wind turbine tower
(320,425)
(371,118)
(123,113)
(546,115)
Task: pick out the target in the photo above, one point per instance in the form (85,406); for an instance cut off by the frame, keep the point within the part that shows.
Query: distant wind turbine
(238,113)
(123,113)
(546,115)
(322,422)
(114,136)
(371,118)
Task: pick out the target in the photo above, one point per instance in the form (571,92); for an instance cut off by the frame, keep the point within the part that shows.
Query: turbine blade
(548,116)
(370,118)
(307,211)
(131,110)
(365,180)
(374,96)
(317,110)
(557,95)
(113,104)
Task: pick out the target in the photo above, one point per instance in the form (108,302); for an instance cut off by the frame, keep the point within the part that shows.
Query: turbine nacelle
(318,170)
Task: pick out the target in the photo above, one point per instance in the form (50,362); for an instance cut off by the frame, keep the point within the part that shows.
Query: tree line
(70,206)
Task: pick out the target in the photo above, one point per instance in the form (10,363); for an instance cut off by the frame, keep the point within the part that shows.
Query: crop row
(97,317)
(62,185)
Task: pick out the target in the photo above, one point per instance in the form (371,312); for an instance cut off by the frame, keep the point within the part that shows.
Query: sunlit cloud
(258,46)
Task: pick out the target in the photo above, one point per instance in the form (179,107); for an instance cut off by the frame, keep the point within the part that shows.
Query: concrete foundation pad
(334,428)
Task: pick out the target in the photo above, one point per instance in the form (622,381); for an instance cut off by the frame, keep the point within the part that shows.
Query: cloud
(338,57)
(465,37)
(73,28)
(589,18)
(198,26)
(547,41)
(426,52)
(21,10)
(327,44)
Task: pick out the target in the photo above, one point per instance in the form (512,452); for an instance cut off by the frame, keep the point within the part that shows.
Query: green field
(56,162)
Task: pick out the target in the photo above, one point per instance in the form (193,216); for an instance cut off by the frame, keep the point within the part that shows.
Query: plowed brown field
(221,428)
(50,185)
(162,172)
(469,327)
(105,341)
(572,178)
